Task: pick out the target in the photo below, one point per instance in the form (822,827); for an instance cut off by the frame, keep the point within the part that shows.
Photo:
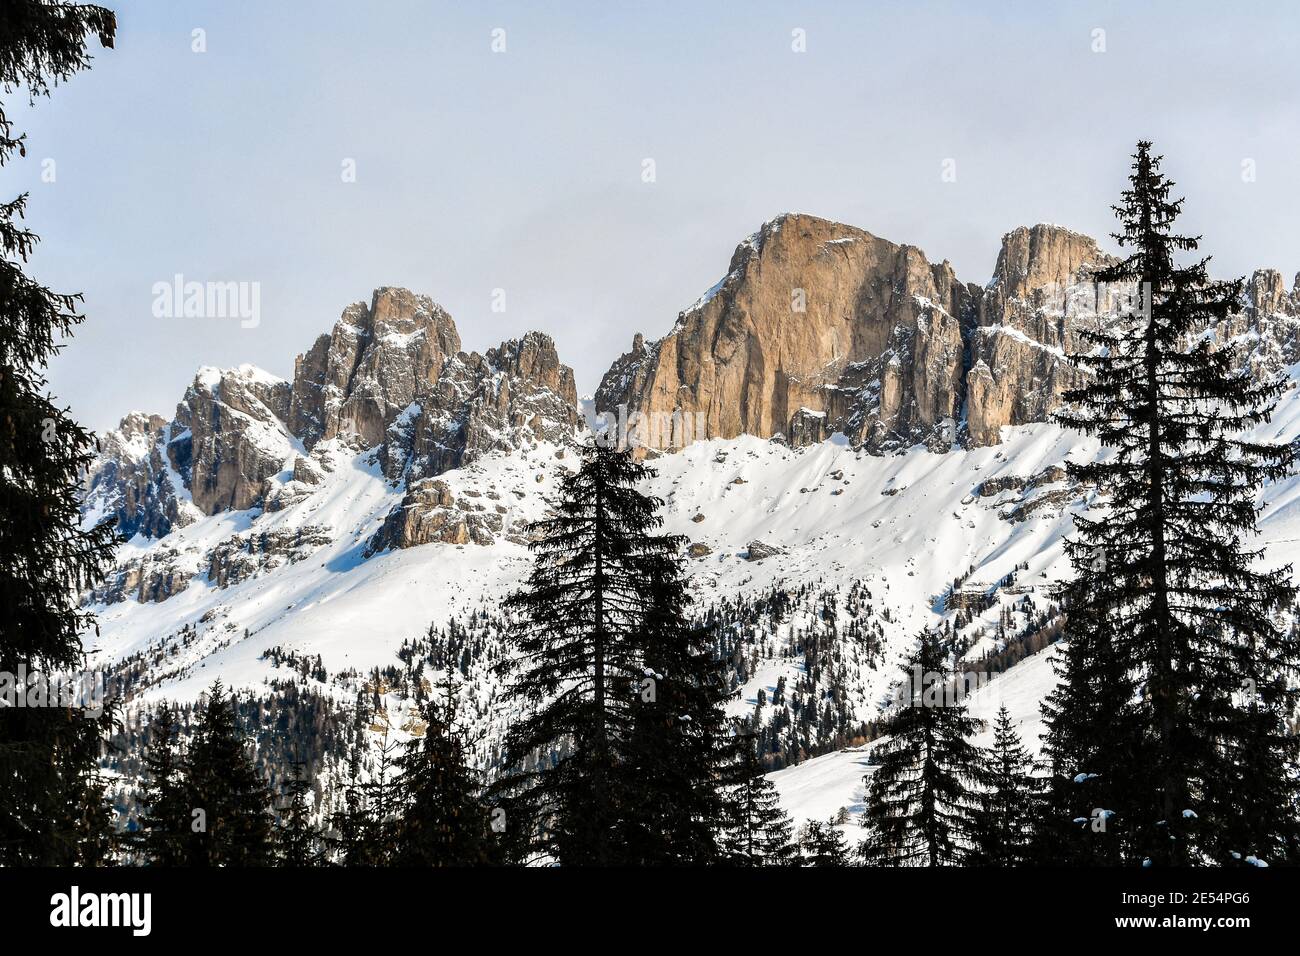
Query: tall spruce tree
(165,820)
(1176,670)
(233,825)
(599,575)
(757,831)
(444,821)
(921,801)
(680,746)
(1007,802)
(52,807)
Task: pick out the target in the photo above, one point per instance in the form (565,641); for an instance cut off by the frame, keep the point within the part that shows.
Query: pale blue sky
(522,170)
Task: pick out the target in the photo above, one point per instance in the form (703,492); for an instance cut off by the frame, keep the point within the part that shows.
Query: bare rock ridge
(390,376)
(816,328)
(1029,313)
(820,328)
(230,436)
(516,393)
(129,478)
(353,382)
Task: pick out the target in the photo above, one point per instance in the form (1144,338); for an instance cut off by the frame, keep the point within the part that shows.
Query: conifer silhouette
(1165,733)
(1007,803)
(603,588)
(444,819)
(52,807)
(921,799)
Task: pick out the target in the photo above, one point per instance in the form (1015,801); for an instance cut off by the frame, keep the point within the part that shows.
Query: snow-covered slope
(904,524)
(902,527)
(824,786)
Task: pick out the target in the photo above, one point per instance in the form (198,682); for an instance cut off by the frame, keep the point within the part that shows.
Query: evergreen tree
(1093,745)
(822,844)
(297,841)
(680,743)
(374,806)
(1005,819)
(52,807)
(165,820)
(757,830)
(444,820)
(1260,805)
(921,802)
(230,803)
(1175,667)
(598,576)
(346,839)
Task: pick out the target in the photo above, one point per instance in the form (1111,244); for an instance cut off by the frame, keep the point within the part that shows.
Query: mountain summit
(819,328)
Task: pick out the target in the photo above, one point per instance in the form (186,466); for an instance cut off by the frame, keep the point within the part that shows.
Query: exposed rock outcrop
(389,376)
(1040,295)
(354,382)
(820,328)
(246,555)
(431,511)
(131,480)
(758,551)
(1268,325)
(230,436)
(148,579)
(515,395)
(816,328)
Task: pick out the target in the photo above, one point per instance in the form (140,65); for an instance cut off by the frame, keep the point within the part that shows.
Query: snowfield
(905,525)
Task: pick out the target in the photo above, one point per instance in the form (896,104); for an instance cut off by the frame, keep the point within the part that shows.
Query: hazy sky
(522,170)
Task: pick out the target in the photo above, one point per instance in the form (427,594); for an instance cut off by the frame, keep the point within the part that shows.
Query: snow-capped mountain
(870,457)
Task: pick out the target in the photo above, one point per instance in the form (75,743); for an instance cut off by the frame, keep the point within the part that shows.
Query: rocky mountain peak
(389,376)
(229,436)
(816,327)
(1034,257)
(515,395)
(130,479)
(135,426)
(1040,292)
(354,382)
(1266,293)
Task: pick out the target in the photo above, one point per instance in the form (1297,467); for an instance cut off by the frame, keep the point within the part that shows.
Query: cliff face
(516,394)
(229,436)
(131,480)
(816,328)
(354,382)
(1041,293)
(820,328)
(390,377)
